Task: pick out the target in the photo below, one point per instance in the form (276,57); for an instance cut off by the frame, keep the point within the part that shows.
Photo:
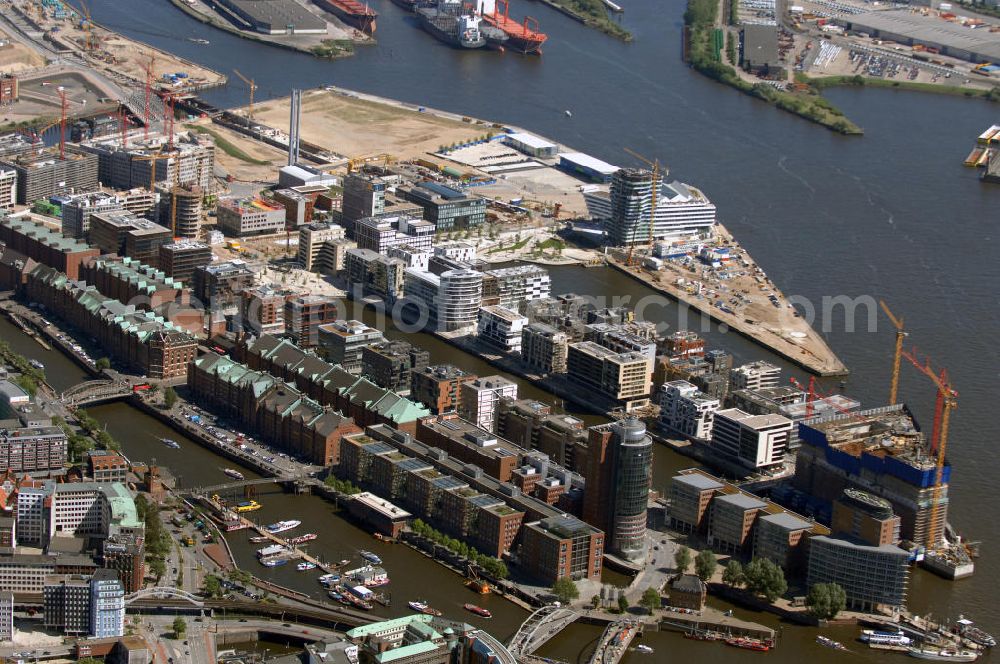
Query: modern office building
(180,209)
(364,196)
(624,377)
(501,328)
(686,410)
(6,615)
(681,210)
(125,234)
(513,287)
(882,452)
(865,517)
(262,309)
(445,207)
(479,400)
(544,349)
(44,174)
(380,234)
(469,443)
(77,210)
(618,478)
(532,425)
(730,528)
(343,342)
(247,217)
(66,603)
(562,547)
(755,376)
(622,338)
(219,284)
(782,538)
(437,387)
(107,605)
(125,553)
(757,442)
(192,162)
(312,237)
(31,448)
(374,274)
(180,259)
(874,578)
(690,499)
(40,243)
(391,364)
(332,257)
(451,300)
(305,315)
(298,206)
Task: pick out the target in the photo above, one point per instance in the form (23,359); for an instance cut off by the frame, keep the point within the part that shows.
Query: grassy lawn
(553,243)
(228,147)
(513,247)
(861,81)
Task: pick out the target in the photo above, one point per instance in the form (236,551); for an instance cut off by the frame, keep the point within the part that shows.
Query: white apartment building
(456,251)
(31,525)
(755,376)
(686,410)
(107,605)
(511,287)
(8,189)
(451,299)
(415,258)
(381,234)
(6,615)
(621,376)
(478,400)
(77,211)
(758,442)
(501,328)
(311,240)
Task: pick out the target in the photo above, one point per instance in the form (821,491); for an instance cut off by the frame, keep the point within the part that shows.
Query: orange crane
(900,335)
(149,93)
(62,122)
(152,158)
(90,43)
(654,179)
(253,88)
(947,399)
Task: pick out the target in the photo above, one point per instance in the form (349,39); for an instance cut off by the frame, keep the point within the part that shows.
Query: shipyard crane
(86,23)
(900,335)
(654,193)
(253,88)
(947,399)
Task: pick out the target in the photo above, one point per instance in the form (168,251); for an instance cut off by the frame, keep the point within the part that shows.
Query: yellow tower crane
(253,88)
(654,194)
(900,335)
(152,158)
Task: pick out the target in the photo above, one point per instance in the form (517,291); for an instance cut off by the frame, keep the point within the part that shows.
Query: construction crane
(63,103)
(149,94)
(947,399)
(900,335)
(253,88)
(357,163)
(86,23)
(654,193)
(152,158)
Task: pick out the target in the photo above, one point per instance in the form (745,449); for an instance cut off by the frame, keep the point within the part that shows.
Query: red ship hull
(351,12)
(524,36)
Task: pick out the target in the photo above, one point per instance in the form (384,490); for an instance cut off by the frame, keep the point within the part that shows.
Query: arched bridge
(164,592)
(218,488)
(540,626)
(95,391)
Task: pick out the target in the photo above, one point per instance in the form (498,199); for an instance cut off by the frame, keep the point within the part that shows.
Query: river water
(890,215)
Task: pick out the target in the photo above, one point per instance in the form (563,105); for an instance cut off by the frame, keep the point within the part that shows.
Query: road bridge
(339,618)
(539,627)
(229,486)
(91,392)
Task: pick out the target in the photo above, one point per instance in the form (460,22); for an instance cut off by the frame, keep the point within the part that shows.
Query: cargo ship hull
(522,36)
(445,28)
(351,12)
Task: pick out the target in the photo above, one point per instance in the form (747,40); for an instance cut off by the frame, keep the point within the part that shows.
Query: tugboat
(478,610)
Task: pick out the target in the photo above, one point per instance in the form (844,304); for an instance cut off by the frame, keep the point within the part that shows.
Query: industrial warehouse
(964,42)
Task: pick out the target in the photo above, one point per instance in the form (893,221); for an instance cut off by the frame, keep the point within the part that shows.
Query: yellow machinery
(900,335)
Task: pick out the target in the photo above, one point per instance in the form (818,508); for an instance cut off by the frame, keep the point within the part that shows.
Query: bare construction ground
(15,57)
(356,127)
(39,96)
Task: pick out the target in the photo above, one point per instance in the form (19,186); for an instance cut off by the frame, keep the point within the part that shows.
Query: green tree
(763,577)
(169,397)
(213,587)
(157,568)
(650,600)
(595,601)
(733,574)
(102,364)
(565,590)
(89,660)
(180,627)
(826,600)
(240,576)
(622,603)
(28,384)
(705,564)
(682,559)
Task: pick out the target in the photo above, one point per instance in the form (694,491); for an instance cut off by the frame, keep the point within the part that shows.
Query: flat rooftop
(381,506)
(903,23)
(586,161)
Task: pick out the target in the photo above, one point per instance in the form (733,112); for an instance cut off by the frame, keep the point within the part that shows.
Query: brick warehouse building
(46,246)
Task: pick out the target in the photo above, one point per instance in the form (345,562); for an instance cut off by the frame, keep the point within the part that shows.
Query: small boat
(343,562)
(478,610)
(569,114)
(171,443)
(748,643)
(334,595)
(329,579)
(645,650)
(274,562)
(872,636)
(301,539)
(272,550)
(36,364)
(282,526)
(197,40)
(370,557)
(830,643)
(479,586)
(701,635)
(235,474)
(967,629)
(368,576)
(420,606)
(248,506)
(257,539)
(943,655)
(305,565)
